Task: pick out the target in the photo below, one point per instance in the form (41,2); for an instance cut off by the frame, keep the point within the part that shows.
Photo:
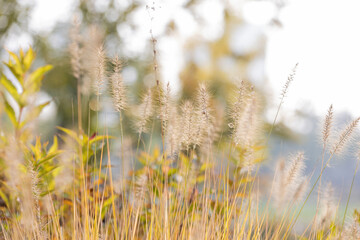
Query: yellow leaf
(28,59)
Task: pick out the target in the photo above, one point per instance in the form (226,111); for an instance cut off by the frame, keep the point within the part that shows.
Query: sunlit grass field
(172,168)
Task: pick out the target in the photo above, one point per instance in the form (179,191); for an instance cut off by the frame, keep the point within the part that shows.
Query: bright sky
(324,37)
(321,35)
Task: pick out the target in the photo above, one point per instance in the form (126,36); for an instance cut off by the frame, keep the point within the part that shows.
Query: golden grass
(203,181)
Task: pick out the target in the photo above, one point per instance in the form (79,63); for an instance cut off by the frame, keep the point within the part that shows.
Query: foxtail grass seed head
(165,105)
(189,125)
(36,196)
(237,105)
(352,230)
(278,179)
(203,102)
(327,126)
(100,72)
(140,189)
(248,124)
(172,133)
(344,137)
(204,117)
(288,82)
(290,182)
(327,207)
(89,58)
(295,169)
(144,113)
(301,189)
(118,88)
(75,50)
(213,133)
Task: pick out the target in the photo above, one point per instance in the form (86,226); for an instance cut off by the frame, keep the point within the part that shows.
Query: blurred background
(217,41)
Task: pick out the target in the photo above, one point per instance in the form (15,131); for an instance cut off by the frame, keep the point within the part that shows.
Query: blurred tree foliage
(12,15)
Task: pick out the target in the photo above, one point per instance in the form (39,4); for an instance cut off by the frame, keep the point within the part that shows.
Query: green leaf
(21,53)
(16,68)
(15,72)
(34,82)
(15,57)
(9,86)
(172,171)
(34,113)
(48,191)
(54,147)
(47,158)
(108,201)
(10,112)
(47,171)
(200,178)
(106,205)
(36,149)
(185,160)
(205,166)
(99,138)
(4,197)
(70,133)
(28,59)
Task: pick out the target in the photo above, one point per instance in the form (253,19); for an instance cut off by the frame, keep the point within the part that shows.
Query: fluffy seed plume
(248,124)
(327,125)
(295,169)
(287,84)
(204,103)
(144,112)
(165,105)
(140,189)
(89,58)
(118,89)
(237,106)
(344,137)
(171,126)
(328,207)
(173,132)
(301,189)
(205,118)
(352,230)
(189,125)
(75,50)
(36,196)
(100,71)
(290,184)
